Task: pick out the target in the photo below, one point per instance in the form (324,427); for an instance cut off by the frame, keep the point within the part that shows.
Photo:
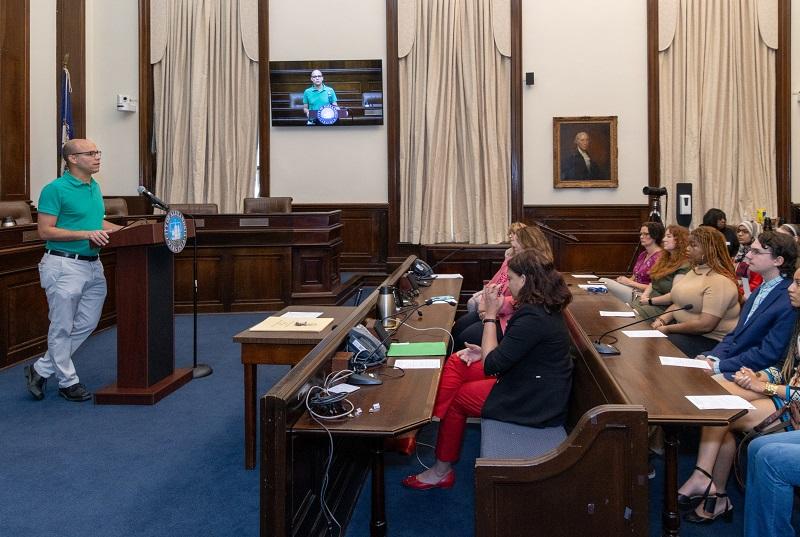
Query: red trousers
(462,391)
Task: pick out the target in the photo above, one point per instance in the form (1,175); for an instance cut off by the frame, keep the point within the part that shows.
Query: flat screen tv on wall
(326,93)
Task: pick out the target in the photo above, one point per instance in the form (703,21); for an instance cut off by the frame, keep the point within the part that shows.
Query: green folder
(437,348)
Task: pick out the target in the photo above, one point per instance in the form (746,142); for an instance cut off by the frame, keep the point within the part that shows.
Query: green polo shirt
(317,98)
(77,206)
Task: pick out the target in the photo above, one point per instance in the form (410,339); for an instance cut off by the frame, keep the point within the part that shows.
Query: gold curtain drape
(717,108)
(205,103)
(454,125)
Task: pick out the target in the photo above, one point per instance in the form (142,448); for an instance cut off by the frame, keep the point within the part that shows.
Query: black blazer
(533,368)
(574,167)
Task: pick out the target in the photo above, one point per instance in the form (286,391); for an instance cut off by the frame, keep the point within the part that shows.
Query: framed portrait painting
(585,152)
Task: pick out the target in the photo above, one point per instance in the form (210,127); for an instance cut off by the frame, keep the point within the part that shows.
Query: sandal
(708,507)
(687,503)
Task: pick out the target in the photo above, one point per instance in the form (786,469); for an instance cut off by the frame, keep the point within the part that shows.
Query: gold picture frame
(585,152)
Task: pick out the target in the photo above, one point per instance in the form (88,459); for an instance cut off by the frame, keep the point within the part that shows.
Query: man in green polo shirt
(317,96)
(71,220)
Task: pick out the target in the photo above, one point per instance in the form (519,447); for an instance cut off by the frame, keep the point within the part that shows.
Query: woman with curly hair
(667,271)
(711,289)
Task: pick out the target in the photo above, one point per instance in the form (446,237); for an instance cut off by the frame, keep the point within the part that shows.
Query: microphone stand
(198,370)
(611,350)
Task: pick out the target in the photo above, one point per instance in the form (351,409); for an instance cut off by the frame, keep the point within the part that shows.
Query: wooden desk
(639,378)
(276,348)
(295,447)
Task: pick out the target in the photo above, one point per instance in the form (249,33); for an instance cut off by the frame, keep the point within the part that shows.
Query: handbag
(787,414)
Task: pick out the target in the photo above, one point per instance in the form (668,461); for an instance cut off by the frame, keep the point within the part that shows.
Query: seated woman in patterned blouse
(650,236)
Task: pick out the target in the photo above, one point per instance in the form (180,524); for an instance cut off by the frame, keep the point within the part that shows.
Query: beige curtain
(205,106)
(717,108)
(454,125)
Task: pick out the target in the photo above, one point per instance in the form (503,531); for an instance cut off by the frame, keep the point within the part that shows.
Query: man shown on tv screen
(317,96)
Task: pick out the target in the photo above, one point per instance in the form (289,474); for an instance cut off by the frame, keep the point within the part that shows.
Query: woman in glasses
(650,236)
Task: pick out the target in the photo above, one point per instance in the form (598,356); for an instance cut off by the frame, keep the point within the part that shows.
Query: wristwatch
(650,301)
(769,389)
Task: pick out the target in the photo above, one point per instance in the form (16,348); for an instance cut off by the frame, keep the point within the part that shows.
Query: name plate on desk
(30,236)
(254,222)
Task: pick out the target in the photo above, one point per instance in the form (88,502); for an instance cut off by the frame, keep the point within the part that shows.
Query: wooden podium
(145,328)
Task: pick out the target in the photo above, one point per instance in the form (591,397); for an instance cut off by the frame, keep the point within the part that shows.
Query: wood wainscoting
(365,237)
(608,235)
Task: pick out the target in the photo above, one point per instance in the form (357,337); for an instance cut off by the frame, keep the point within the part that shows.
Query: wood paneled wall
(607,234)
(14,101)
(71,41)
(365,235)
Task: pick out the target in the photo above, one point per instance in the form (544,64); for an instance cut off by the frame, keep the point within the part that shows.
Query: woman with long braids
(711,289)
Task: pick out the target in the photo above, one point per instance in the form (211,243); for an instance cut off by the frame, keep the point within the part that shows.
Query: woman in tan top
(710,287)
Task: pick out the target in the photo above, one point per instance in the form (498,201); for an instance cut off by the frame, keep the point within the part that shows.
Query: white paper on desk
(684,362)
(585,276)
(301,314)
(643,333)
(422,363)
(448,276)
(343,388)
(587,286)
(719,402)
(617,313)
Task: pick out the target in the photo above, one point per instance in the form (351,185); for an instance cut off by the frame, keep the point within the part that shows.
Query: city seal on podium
(327,115)
(175,231)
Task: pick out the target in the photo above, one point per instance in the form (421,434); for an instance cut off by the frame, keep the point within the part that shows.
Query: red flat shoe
(446,482)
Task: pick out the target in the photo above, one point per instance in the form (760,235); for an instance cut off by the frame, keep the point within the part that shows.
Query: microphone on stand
(607,349)
(154,200)
(448,256)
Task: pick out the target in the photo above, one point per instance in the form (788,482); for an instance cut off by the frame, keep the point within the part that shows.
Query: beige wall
(43,112)
(338,164)
(587,61)
(112,67)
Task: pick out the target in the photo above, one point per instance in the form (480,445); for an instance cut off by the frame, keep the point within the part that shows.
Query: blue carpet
(176,469)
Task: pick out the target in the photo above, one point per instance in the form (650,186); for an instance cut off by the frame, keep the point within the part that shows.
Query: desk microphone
(605,348)
(448,256)
(154,200)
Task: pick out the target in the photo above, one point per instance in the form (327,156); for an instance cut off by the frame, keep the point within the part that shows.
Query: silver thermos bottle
(386,305)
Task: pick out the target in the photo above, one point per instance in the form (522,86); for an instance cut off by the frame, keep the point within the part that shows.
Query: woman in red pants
(524,379)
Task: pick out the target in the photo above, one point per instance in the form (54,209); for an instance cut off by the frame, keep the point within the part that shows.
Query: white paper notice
(301,314)
(617,313)
(643,333)
(585,276)
(587,286)
(343,388)
(423,363)
(719,402)
(684,362)
(448,276)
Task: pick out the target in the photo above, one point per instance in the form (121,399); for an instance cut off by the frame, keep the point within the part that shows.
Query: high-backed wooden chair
(20,211)
(267,205)
(195,208)
(115,206)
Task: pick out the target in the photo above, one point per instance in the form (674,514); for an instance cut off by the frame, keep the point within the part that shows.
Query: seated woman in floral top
(650,236)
